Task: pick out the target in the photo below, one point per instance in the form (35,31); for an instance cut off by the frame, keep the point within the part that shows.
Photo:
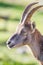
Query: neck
(35,49)
(35,45)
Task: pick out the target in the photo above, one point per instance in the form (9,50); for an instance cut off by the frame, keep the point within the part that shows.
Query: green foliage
(9,57)
(6,5)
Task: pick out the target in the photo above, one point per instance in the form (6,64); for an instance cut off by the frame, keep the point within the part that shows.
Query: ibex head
(25,29)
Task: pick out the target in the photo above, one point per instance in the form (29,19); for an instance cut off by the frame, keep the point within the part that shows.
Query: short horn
(27,9)
(32,12)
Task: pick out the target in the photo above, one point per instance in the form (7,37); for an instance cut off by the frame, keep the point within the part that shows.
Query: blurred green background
(10,15)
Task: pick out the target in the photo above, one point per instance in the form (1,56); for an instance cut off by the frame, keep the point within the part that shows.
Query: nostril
(8,42)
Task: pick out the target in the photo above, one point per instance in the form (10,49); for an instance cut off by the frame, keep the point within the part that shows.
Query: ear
(33,27)
(33,24)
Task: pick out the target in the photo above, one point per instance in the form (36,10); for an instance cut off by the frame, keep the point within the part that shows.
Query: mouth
(10,45)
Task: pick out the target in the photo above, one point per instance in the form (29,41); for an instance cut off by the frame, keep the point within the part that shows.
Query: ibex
(28,34)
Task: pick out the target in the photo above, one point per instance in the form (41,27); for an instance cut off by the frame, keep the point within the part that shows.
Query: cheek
(19,45)
(29,35)
(29,38)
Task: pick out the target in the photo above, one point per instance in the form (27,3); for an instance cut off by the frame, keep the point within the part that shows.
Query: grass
(11,57)
(8,27)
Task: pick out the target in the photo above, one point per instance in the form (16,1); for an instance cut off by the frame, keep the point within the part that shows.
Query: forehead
(23,26)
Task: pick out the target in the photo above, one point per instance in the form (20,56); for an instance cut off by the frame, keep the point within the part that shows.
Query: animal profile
(28,34)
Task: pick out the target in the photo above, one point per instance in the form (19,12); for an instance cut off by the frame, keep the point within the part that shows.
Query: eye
(23,32)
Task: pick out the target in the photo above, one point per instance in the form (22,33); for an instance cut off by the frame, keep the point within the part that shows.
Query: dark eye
(23,32)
